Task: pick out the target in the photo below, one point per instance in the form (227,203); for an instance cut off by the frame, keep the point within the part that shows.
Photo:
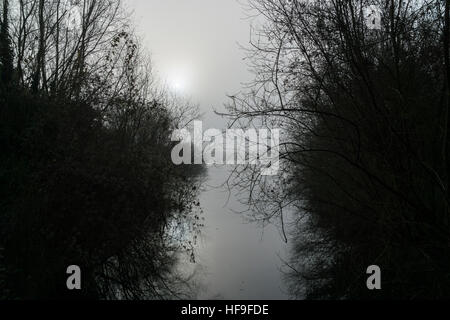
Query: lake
(236,259)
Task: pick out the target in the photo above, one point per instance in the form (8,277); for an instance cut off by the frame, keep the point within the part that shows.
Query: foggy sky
(198,40)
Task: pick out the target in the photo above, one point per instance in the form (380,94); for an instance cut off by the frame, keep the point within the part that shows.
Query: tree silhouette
(85,169)
(365,150)
(6,52)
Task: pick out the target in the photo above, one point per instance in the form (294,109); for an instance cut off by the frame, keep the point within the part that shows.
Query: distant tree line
(365,154)
(85,171)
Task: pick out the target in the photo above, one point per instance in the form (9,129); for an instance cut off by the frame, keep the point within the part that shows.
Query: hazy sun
(178,78)
(178,84)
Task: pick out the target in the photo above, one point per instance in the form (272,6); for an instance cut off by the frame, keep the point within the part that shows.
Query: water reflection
(235,259)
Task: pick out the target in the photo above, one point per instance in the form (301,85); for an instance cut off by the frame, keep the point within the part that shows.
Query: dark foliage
(86,185)
(366,154)
(76,192)
(6,53)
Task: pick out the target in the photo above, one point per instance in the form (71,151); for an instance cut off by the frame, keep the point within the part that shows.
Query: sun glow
(178,84)
(179,80)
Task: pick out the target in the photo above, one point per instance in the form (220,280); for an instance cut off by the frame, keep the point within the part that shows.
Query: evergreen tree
(6,54)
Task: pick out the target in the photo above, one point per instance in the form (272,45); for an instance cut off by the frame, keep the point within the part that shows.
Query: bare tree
(364,155)
(85,101)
